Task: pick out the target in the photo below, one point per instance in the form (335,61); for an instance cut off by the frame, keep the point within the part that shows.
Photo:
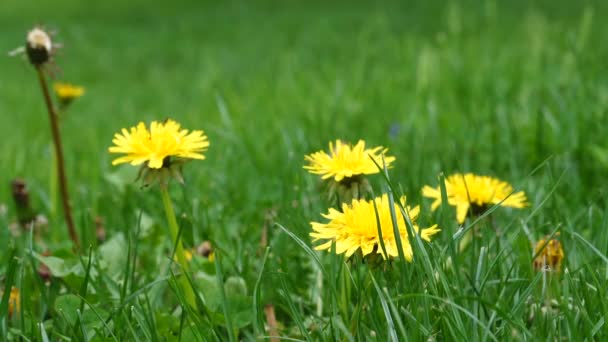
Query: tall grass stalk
(59,159)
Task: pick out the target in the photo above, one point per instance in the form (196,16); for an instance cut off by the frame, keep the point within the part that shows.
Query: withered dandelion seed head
(39,49)
(39,46)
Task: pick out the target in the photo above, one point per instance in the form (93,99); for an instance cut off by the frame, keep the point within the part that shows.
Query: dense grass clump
(514,90)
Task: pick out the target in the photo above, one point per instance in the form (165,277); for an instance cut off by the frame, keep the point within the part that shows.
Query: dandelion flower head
(163,140)
(356,228)
(472,192)
(345,161)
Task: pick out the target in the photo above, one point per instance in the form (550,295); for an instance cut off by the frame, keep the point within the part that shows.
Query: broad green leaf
(113,255)
(62,267)
(235,286)
(66,306)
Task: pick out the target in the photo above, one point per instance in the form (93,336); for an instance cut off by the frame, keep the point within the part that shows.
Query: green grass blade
(387,312)
(292,308)
(256,301)
(220,282)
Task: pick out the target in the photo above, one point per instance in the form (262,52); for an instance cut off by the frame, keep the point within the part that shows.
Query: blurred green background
(492,87)
(502,88)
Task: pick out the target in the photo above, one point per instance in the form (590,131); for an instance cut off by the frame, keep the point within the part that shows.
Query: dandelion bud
(44,272)
(549,255)
(21,196)
(20,193)
(204,249)
(100,230)
(39,46)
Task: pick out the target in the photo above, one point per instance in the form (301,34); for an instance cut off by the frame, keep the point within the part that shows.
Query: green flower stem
(179,248)
(53,181)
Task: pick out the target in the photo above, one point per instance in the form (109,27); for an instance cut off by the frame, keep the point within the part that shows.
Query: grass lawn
(516,90)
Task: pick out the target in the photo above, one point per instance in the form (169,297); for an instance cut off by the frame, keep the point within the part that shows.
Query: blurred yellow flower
(14,302)
(66,92)
(345,161)
(155,146)
(549,255)
(356,228)
(188,255)
(476,193)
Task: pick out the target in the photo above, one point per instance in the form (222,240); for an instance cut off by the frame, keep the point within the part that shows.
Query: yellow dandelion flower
(345,161)
(153,147)
(66,92)
(356,228)
(472,192)
(549,255)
